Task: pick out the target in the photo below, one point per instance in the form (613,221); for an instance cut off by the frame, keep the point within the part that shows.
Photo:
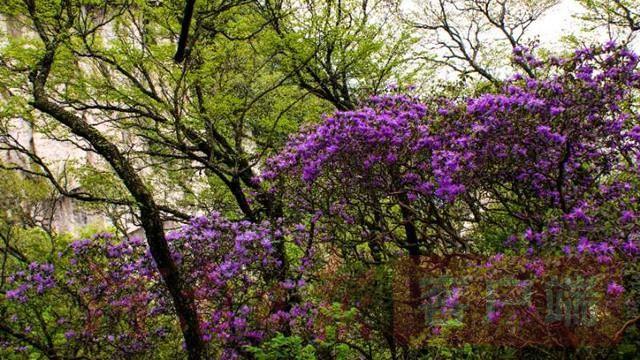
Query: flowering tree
(542,153)
(546,165)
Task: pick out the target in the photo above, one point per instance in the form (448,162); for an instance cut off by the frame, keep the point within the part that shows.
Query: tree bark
(184,31)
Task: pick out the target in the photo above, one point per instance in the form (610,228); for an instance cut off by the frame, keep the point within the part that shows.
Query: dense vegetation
(297,203)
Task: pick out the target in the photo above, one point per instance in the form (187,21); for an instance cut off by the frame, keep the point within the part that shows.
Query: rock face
(61,213)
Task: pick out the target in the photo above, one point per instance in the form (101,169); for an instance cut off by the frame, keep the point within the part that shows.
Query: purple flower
(627,216)
(614,289)
(630,247)
(266,244)
(556,110)
(453,299)
(583,245)
(288,284)
(546,132)
(494,316)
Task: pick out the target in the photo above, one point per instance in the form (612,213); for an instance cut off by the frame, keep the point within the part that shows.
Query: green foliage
(620,18)
(340,322)
(239,94)
(283,348)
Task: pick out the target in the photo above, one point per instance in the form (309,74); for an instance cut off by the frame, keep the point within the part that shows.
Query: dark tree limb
(180,291)
(184,31)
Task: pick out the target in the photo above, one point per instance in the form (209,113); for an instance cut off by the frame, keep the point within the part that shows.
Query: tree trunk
(181,293)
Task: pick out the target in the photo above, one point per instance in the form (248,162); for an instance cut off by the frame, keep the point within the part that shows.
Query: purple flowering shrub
(559,154)
(239,285)
(99,296)
(542,167)
(113,302)
(554,155)
(121,287)
(357,168)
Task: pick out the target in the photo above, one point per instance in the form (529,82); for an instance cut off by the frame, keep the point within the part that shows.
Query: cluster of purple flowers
(235,270)
(102,282)
(232,265)
(389,132)
(558,154)
(35,280)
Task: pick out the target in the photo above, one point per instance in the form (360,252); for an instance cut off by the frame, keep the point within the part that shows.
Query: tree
(620,18)
(54,24)
(469,36)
